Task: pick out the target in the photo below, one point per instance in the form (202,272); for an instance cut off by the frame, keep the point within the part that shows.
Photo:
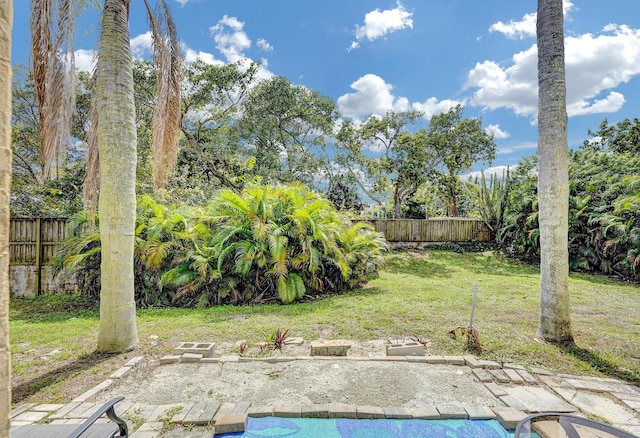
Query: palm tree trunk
(6,22)
(117,203)
(553,175)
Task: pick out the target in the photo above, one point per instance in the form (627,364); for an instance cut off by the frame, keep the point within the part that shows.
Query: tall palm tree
(116,139)
(553,175)
(6,22)
(113,142)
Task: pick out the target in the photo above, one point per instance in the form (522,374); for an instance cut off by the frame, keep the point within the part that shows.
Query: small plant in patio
(279,338)
(275,340)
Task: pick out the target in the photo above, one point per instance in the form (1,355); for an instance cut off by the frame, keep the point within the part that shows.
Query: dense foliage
(604,224)
(262,244)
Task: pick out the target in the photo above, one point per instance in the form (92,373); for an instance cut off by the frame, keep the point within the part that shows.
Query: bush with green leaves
(273,243)
(265,243)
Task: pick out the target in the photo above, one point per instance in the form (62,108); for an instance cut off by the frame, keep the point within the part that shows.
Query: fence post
(38,256)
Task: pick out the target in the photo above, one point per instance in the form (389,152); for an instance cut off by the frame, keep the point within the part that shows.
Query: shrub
(263,244)
(271,243)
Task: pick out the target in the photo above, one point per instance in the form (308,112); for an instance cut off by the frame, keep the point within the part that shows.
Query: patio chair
(87,429)
(566,426)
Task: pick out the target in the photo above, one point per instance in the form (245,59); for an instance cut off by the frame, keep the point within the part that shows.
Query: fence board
(433,230)
(34,239)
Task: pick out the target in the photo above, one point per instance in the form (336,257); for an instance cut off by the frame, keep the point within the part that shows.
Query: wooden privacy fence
(450,229)
(33,242)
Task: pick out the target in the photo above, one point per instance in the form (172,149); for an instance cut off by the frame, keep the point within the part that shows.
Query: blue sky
(375,55)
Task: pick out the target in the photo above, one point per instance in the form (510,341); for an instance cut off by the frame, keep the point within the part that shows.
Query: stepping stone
(330,348)
(30,417)
(161,412)
(500,376)
(19,410)
(120,372)
(47,407)
(225,408)
(287,411)
(538,400)
(600,405)
(134,362)
(480,413)
(93,391)
(190,357)
(342,410)
(260,411)
(528,378)
(369,412)
(452,411)
(436,360)
(455,360)
(496,390)
(508,417)
(201,413)
(241,407)
(174,358)
(397,413)
(62,413)
(472,362)
(231,423)
(514,376)
(425,413)
(489,364)
(482,375)
(315,411)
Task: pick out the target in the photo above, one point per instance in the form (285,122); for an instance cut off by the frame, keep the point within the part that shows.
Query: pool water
(346,428)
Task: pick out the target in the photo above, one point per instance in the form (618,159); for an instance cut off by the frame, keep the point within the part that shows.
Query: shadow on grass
(420,266)
(60,374)
(601,364)
(52,308)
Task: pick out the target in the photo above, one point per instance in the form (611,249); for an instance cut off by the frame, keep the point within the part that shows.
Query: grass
(418,293)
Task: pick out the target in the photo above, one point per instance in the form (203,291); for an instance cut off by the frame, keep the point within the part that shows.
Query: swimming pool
(347,428)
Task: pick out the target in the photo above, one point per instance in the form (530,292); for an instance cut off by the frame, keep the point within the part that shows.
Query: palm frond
(54,75)
(166,117)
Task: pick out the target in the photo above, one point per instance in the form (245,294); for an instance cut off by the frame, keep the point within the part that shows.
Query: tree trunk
(553,175)
(6,23)
(117,203)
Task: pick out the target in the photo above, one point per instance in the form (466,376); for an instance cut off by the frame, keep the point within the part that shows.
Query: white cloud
(230,38)
(526,27)
(529,145)
(497,132)
(432,106)
(191,55)
(264,45)
(610,104)
(373,96)
(232,41)
(85,60)
(141,45)
(182,2)
(379,23)
(594,64)
(517,29)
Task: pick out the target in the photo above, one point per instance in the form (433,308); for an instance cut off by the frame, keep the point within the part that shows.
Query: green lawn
(418,293)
